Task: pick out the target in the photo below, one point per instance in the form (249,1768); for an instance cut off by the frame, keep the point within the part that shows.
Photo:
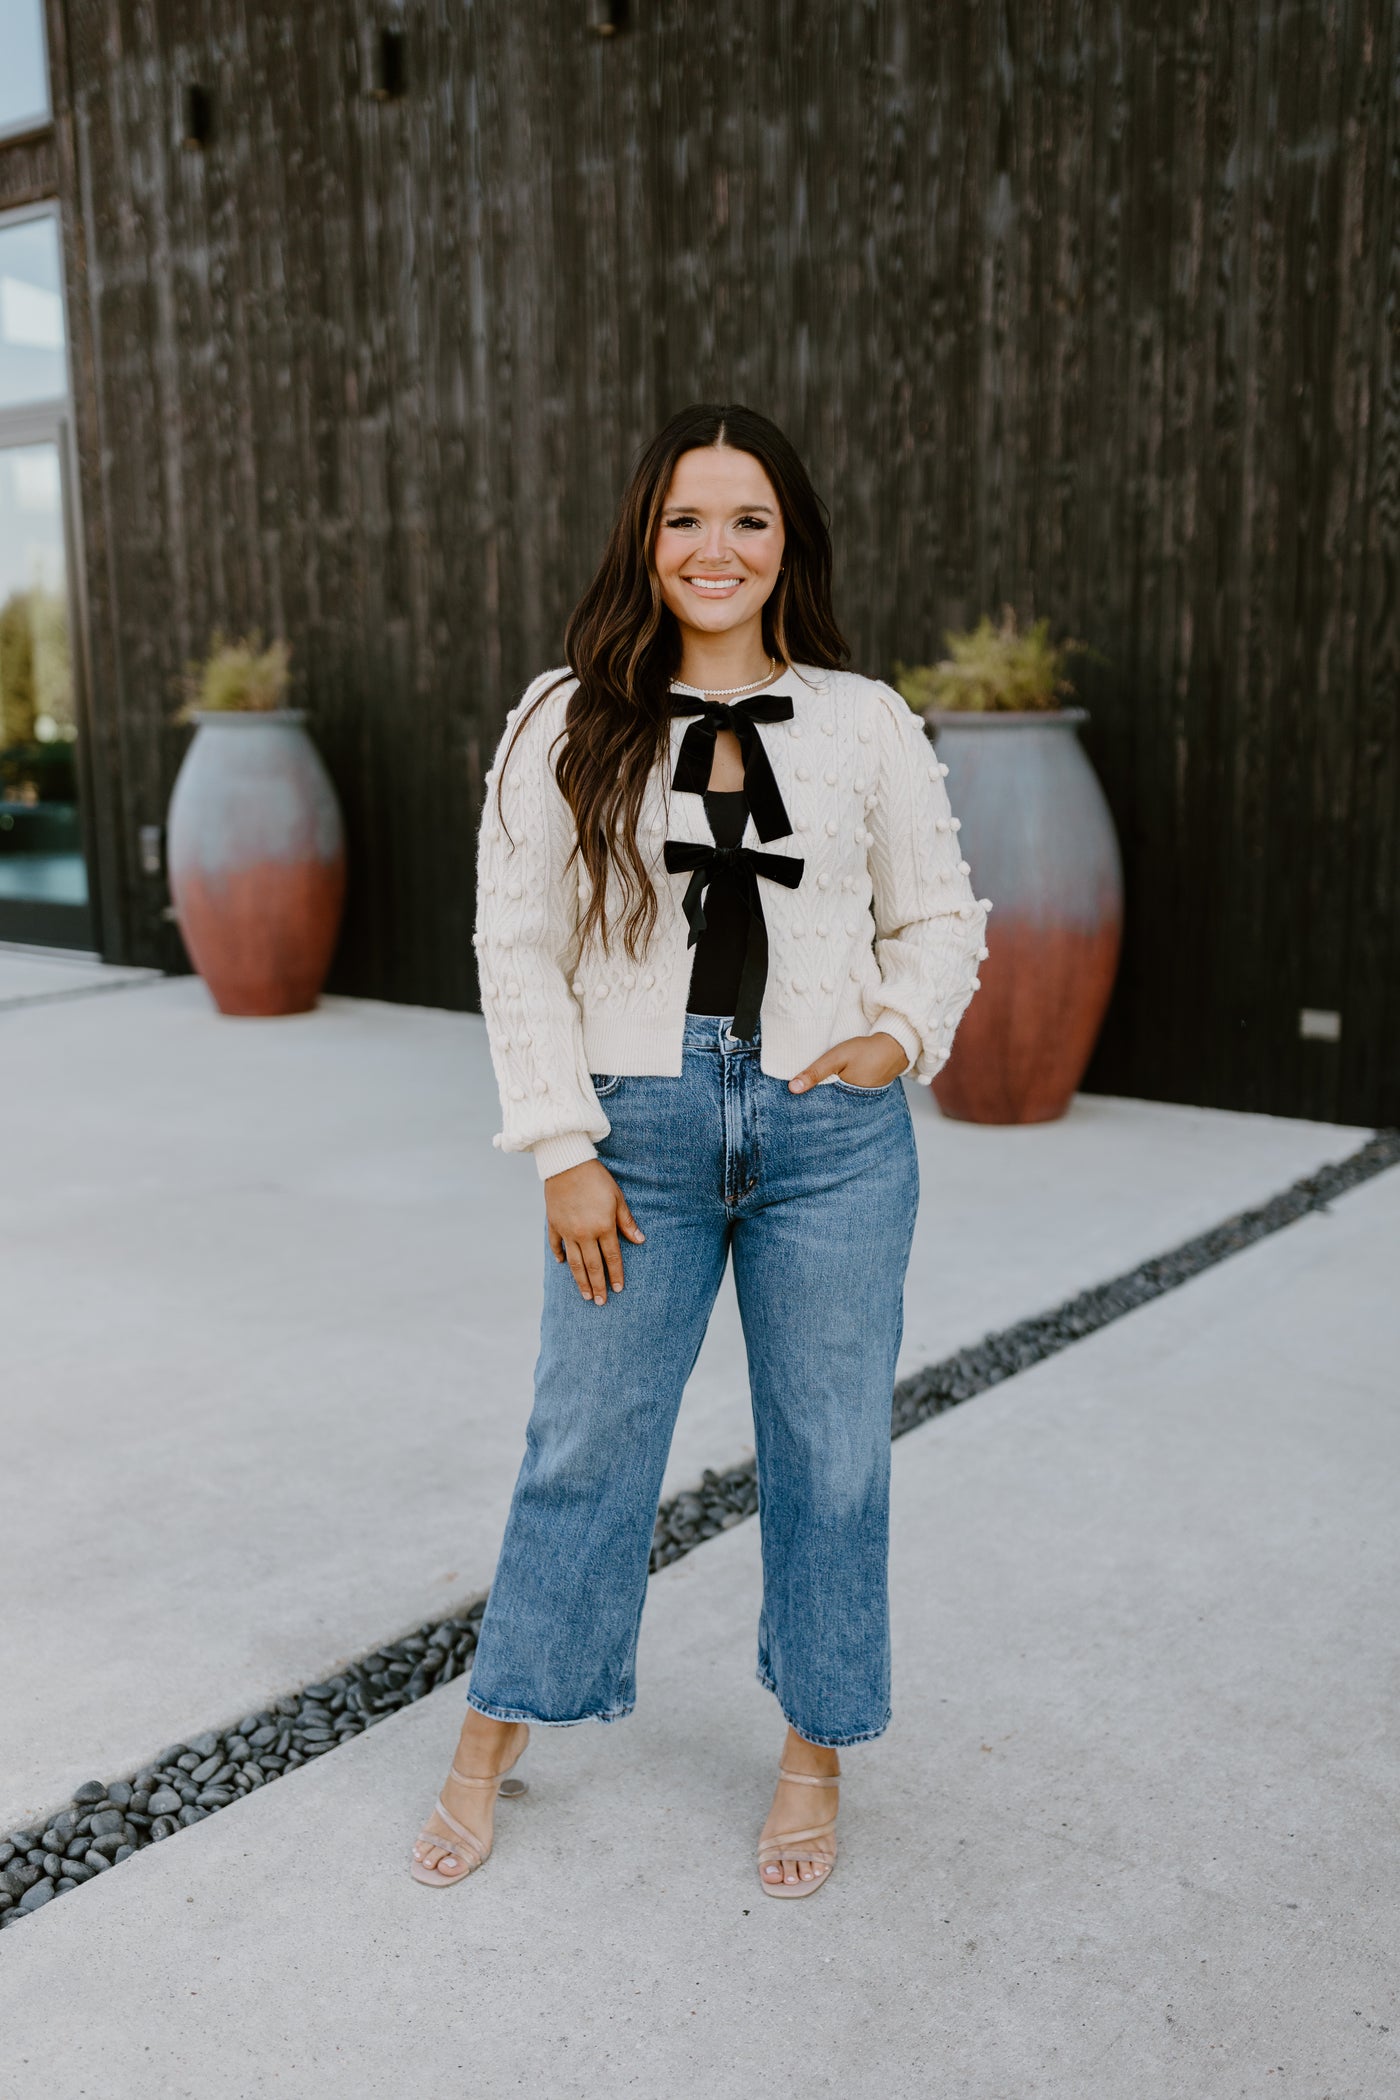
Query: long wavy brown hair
(623,645)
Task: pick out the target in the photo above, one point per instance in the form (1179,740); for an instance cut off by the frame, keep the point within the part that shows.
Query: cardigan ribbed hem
(655,1048)
(557,1154)
(895,1024)
(633,1043)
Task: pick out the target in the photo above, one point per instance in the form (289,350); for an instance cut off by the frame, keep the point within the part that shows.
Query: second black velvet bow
(741,866)
(697,753)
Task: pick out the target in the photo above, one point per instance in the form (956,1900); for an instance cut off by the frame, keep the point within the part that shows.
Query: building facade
(344,323)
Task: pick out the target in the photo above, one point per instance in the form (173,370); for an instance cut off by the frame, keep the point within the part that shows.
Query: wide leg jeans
(813,1195)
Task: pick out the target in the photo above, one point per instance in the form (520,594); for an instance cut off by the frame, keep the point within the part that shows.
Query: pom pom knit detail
(873,826)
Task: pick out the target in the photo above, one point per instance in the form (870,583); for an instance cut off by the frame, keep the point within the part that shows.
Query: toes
(792,1871)
(430,1852)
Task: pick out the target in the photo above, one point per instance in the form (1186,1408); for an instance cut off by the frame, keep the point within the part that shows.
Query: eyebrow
(739,510)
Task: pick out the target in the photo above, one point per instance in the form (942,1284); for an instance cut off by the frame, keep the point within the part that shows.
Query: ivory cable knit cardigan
(883,931)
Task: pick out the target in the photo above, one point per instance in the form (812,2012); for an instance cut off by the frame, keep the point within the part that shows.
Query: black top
(720,950)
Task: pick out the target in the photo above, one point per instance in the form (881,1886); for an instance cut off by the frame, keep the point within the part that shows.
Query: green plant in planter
(994,669)
(237,677)
(39,772)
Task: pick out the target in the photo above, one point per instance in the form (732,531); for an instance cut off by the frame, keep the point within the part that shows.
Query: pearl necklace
(728,692)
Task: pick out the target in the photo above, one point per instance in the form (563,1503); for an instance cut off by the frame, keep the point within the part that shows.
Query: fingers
(594,1264)
(596,1272)
(862,1060)
(612,1258)
(829,1061)
(576,1267)
(587,1269)
(584,1222)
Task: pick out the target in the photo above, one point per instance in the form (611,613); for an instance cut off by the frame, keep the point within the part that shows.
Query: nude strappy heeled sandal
(817,1844)
(465,1844)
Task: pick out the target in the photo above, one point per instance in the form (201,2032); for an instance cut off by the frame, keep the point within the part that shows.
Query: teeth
(715,584)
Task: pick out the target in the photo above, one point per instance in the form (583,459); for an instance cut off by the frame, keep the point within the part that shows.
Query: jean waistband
(716,1032)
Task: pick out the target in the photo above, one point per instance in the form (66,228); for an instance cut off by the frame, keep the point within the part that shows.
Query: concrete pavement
(270,1301)
(1133,1830)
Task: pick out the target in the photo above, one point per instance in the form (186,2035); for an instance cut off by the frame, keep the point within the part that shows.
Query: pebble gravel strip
(106,1823)
(723,1499)
(1031,1341)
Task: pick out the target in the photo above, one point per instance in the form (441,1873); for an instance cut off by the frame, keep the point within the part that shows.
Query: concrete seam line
(105,1824)
(79,991)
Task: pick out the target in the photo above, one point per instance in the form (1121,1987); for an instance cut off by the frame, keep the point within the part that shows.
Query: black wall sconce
(607,17)
(387,65)
(196,117)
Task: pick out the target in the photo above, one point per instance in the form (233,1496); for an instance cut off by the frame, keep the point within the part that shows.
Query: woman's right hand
(586,1211)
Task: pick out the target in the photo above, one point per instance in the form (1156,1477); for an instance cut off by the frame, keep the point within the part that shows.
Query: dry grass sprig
(994,668)
(236,676)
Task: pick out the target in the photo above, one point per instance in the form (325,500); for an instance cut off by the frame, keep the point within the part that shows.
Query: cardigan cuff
(889,1023)
(557,1154)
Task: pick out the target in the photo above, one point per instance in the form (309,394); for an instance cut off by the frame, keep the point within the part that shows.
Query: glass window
(24,77)
(32,362)
(41,853)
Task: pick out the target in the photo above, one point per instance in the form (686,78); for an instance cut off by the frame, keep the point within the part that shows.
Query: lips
(714,586)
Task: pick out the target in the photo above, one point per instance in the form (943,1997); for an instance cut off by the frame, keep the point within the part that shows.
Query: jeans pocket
(862,1093)
(605,1083)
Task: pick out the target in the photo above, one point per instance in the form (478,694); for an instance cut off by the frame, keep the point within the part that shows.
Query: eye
(683,517)
(759,524)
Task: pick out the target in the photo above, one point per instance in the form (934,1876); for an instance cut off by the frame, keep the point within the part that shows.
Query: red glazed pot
(1040,838)
(257,861)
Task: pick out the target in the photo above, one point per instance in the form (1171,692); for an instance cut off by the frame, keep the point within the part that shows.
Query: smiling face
(719,544)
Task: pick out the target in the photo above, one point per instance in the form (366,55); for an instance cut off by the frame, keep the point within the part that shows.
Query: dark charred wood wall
(28,171)
(1089,308)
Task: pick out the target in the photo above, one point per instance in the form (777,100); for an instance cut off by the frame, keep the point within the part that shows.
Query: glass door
(43,869)
(44,897)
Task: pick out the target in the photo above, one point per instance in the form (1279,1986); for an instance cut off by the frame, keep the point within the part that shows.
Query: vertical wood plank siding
(1085,307)
(28,171)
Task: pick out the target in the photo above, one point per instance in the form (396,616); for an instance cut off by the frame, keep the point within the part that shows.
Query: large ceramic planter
(1038,832)
(256,851)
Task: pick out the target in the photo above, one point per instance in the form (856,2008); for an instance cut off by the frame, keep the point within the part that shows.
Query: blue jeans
(814,1194)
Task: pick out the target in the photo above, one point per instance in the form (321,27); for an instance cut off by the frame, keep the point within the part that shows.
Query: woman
(721,909)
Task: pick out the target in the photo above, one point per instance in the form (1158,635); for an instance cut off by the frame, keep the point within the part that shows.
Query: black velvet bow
(741,866)
(697,753)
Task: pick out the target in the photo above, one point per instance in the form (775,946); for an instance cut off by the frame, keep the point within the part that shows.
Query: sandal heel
(516,1781)
(464,1844)
(818,1843)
